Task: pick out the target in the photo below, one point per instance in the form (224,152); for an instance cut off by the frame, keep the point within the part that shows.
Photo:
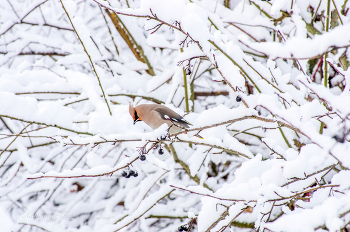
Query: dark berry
(163,137)
(238,99)
(181,228)
(124,174)
(340,139)
(188,72)
(131,173)
(128,176)
(136,174)
(160,151)
(142,157)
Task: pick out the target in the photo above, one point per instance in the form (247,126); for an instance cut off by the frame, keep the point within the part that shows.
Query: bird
(155,115)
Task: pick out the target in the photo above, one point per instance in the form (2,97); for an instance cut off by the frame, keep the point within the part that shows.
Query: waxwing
(155,115)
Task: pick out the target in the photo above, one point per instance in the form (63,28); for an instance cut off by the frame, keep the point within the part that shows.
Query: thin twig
(92,63)
(3,121)
(336,9)
(41,123)
(110,32)
(236,64)
(20,20)
(300,67)
(325,76)
(96,175)
(208,195)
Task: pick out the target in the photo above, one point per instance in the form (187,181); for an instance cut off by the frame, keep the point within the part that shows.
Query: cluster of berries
(129,173)
(183,228)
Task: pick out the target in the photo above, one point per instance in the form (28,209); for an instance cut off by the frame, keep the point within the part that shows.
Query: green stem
(341,21)
(284,137)
(192,95)
(315,14)
(262,76)
(343,7)
(186,89)
(321,128)
(150,69)
(325,83)
(92,64)
(262,11)
(261,56)
(326,55)
(245,132)
(213,24)
(193,77)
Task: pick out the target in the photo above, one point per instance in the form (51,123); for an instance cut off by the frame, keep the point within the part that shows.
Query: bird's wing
(168,114)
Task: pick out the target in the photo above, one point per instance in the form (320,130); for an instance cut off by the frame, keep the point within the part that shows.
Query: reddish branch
(318,65)
(38,53)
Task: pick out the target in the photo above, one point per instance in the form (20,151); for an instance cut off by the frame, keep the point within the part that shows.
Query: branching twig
(15,139)
(300,67)
(235,63)
(23,17)
(96,175)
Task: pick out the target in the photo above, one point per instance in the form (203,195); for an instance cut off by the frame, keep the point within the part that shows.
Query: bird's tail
(198,136)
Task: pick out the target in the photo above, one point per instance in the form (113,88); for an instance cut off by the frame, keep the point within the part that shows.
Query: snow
(76,172)
(342,179)
(296,46)
(309,219)
(274,152)
(144,207)
(309,159)
(50,113)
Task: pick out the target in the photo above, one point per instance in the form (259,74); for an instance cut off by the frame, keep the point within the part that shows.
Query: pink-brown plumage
(155,115)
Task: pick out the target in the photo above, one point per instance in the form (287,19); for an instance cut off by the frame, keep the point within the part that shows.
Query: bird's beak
(135,121)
